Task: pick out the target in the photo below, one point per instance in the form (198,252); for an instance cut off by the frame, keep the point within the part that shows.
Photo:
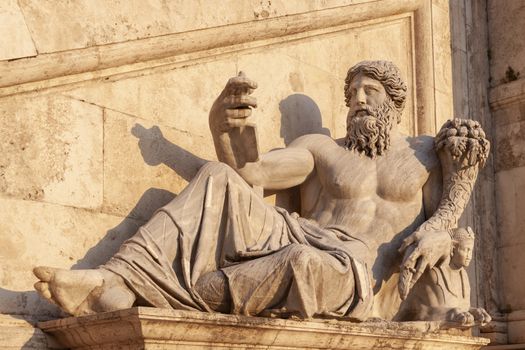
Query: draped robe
(275,263)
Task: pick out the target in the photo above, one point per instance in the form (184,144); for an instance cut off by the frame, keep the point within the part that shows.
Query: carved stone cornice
(150,328)
(507,94)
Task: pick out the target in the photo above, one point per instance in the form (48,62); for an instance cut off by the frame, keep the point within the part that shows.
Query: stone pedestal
(148,328)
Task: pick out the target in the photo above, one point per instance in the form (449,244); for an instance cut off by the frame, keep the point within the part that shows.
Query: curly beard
(369,133)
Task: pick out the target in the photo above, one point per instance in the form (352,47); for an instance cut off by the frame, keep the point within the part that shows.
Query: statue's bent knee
(214,168)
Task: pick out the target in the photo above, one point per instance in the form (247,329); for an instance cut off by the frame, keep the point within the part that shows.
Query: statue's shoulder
(313,142)
(422,146)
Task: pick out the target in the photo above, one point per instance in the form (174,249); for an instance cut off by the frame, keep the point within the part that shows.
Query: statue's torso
(377,200)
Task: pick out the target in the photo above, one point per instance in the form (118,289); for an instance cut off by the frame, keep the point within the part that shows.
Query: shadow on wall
(149,202)
(300,116)
(23,329)
(155,150)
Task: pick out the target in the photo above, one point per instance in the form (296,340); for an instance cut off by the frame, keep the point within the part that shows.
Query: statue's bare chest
(397,176)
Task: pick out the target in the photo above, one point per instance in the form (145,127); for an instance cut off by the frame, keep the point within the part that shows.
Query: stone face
(52,150)
(15,41)
(333,54)
(168,329)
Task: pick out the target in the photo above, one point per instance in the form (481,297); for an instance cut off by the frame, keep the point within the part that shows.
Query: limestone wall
(488,63)
(506,22)
(471,75)
(103,109)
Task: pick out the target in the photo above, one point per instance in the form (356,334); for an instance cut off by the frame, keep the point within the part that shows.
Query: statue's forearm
(462,149)
(236,146)
(234,135)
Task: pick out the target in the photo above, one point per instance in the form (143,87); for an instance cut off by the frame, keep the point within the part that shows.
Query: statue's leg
(216,221)
(298,280)
(83,292)
(214,290)
(204,226)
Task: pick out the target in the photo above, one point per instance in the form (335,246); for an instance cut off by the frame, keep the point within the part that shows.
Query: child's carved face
(462,253)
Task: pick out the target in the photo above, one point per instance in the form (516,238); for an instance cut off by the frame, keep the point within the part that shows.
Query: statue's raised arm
(462,150)
(235,139)
(234,135)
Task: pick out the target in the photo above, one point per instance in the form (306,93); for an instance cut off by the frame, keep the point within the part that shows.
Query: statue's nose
(360,97)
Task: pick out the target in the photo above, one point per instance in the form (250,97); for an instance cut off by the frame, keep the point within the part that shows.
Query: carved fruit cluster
(464,139)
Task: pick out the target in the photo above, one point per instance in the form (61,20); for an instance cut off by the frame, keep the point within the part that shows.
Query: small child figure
(443,292)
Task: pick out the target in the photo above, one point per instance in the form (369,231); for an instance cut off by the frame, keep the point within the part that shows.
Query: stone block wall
(104,110)
(488,64)
(506,20)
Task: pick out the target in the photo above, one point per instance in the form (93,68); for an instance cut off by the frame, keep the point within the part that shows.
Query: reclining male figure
(219,247)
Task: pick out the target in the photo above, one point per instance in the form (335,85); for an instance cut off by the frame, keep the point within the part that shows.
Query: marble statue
(377,208)
(443,291)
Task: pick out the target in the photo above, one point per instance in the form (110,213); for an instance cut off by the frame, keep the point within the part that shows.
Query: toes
(44,273)
(43,289)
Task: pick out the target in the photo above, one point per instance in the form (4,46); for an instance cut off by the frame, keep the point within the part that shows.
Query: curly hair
(461,234)
(385,72)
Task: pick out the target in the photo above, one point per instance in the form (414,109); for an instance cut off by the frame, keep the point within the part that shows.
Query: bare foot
(83,292)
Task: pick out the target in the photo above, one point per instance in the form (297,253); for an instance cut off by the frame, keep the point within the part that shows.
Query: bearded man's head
(368,127)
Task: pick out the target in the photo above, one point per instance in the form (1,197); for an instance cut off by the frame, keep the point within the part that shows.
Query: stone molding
(150,328)
(507,94)
(141,56)
(18,332)
(155,48)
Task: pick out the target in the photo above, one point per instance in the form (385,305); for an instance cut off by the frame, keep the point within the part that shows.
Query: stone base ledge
(18,332)
(149,328)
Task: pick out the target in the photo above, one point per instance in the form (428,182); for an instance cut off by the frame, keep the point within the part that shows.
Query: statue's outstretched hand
(234,104)
(423,249)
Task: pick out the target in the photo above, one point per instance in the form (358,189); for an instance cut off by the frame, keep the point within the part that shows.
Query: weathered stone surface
(15,41)
(146,328)
(513,259)
(510,186)
(333,53)
(19,333)
(87,31)
(444,107)
(58,26)
(146,165)
(51,150)
(178,98)
(36,233)
(509,114)
(291,101)
(506,22)
(515,327)
(442,49)
(510,146)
